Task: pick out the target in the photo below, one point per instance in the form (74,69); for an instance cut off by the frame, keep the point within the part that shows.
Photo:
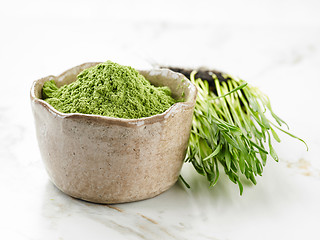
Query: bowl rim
(136,122)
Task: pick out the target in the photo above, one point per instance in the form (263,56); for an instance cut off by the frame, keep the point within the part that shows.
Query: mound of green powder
(109,89)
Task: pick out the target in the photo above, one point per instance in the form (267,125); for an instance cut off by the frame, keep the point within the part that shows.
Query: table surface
(273,45)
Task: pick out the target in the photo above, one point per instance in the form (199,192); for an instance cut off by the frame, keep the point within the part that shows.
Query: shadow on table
(177,211)
(176,200)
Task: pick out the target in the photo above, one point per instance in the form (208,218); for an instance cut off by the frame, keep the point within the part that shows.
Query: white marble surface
(274,45)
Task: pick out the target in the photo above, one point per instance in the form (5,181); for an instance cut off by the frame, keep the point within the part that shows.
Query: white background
(273,44)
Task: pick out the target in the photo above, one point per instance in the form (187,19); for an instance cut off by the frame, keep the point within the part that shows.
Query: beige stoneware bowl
(112,160)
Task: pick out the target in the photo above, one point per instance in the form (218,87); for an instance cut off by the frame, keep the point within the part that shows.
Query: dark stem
(204,74)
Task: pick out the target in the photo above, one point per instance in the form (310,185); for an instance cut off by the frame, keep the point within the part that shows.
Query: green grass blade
(291,135)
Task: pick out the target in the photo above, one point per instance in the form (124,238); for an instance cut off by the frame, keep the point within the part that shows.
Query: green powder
(109,89)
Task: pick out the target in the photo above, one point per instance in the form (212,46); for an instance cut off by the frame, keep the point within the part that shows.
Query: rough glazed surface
(108,160)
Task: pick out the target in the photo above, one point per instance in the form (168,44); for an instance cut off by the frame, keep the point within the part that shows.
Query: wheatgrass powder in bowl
(109,89)
(107,135)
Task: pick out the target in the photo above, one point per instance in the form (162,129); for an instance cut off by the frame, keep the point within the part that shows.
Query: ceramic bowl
(112,160)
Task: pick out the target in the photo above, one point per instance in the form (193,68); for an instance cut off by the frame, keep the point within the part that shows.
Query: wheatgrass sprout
(230,129)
